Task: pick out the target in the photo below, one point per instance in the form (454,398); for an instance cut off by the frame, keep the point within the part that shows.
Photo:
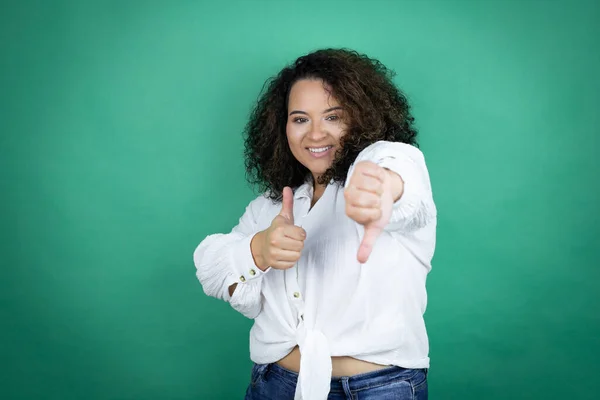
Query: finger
(286,256)
(363,215)
(283,265)
(373,170)
(378,175)
(287,204)
(294,232)
(366,246)
(369,184)
(291,244)
(364,199)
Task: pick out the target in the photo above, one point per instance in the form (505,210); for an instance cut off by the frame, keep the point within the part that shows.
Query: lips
(319,152)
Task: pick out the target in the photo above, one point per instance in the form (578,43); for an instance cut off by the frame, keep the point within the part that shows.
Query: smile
(319,149)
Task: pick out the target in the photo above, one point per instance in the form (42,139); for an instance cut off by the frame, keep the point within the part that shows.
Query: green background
(121,149)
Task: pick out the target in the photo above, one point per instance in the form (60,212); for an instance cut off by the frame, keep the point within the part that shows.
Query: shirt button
(252,272)
(242,278)
(296,294)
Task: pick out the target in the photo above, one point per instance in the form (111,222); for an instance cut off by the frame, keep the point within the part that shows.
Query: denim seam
(422,383)
(389,382)
(257,375)
(283,377)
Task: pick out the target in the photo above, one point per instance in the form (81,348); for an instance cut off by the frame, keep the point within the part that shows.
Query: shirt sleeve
(224,259)
(416,207)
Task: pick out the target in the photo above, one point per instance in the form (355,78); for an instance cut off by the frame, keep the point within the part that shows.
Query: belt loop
(265,372)
(346,387)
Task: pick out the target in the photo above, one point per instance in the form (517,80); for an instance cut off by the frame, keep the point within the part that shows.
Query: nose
(317,132)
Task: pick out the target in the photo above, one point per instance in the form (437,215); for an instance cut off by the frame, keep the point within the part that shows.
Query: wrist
(396,184)
(255,250)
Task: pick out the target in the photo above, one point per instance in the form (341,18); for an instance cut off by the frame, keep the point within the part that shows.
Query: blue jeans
(273,382)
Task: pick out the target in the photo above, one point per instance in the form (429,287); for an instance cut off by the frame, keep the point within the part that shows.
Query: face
(315,125)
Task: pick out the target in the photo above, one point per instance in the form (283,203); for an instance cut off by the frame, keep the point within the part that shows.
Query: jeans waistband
(355,382)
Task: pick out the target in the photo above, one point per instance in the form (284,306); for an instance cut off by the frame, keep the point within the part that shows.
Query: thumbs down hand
(370,196)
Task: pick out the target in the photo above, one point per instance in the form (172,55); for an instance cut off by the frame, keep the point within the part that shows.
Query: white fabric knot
(314,379)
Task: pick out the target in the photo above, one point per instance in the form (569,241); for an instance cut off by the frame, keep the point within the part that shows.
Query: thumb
(366,246)
(287,204)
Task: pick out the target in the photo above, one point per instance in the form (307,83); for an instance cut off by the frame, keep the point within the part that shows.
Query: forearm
(255,249)
(256,256)
(225,261)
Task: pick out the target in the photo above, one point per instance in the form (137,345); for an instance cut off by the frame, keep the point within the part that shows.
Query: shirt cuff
(411,211)
(407,170)
(243,263)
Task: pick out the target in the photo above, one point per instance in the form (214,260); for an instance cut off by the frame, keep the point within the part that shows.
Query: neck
(318,190)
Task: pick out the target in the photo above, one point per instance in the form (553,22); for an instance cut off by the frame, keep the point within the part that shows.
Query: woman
(331,260)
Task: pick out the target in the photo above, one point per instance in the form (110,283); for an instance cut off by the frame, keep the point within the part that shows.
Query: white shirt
(328,303)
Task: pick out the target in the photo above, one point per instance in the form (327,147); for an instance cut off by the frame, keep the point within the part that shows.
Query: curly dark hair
(376,110)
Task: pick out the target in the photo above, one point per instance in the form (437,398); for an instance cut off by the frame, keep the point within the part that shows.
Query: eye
(332,118)
(300,120)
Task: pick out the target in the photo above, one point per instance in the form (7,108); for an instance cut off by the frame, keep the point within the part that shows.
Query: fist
(280,245)
(369,199)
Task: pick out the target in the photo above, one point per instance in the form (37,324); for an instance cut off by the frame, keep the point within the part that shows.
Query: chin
(318,172)
(318,168)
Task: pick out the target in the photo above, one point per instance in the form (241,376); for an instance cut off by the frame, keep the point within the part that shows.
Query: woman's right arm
(225,265)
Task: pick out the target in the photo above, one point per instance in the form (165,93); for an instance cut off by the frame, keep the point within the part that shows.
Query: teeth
(320,149)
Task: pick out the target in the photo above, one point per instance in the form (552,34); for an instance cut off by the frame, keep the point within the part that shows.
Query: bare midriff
(341,366)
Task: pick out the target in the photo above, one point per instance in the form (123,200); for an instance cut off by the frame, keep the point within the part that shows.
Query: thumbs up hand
(370,195)
(280,245)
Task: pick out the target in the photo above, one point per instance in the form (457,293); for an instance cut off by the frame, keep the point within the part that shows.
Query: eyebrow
(324,112)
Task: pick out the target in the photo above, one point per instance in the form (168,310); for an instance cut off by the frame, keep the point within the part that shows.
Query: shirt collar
(304,190)
(307,189)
